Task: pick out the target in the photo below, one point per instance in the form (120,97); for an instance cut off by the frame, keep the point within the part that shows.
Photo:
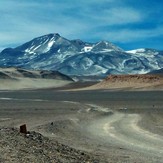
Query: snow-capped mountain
(151,57)
(78,58)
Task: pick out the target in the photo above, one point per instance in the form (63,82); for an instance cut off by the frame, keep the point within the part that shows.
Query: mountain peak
(56,34)
(76,57)
(53,35)
(40,44)
(106,46)
(49,36)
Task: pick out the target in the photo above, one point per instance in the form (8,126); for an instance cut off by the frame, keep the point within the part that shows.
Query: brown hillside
(130,82)
(133,78)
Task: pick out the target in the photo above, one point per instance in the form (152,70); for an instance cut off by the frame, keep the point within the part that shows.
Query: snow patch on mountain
(87,48)
(136,51)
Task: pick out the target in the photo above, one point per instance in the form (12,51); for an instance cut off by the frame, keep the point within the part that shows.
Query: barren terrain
(18,79)
(96,125)
(131,82)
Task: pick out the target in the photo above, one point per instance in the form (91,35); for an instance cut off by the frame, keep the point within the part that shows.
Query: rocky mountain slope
(78,58)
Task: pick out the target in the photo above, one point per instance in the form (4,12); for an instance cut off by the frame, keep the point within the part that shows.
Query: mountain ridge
(79,58)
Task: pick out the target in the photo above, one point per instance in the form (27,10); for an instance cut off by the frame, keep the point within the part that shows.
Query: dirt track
(122,130)
(118,126)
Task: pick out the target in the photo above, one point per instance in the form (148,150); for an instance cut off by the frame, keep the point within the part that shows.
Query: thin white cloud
(24,20)
(123,16)
(17,26)
(128,35)
(115,16)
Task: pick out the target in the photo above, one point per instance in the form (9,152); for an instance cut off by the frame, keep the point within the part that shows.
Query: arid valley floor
(81,126)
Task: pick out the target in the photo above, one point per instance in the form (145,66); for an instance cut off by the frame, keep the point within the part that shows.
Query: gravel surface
(94,126)
(16,147)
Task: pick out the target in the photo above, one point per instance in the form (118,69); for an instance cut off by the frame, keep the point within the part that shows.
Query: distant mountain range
(78,58)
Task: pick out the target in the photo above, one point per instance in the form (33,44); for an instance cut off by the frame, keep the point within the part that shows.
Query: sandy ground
(110,125)
(31,83)
(18,79)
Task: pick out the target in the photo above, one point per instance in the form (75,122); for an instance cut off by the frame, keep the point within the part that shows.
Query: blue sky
(130,24)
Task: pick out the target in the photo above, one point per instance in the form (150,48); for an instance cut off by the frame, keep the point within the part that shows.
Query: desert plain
(90,124)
